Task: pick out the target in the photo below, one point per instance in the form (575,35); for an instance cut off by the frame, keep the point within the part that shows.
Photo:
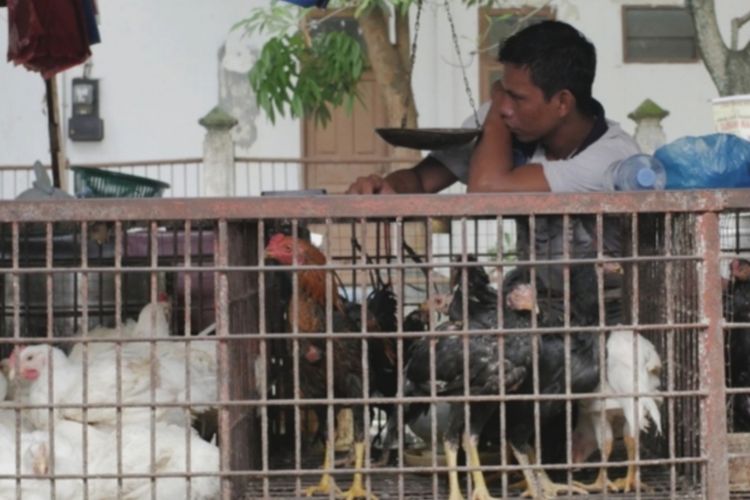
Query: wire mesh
(306,373)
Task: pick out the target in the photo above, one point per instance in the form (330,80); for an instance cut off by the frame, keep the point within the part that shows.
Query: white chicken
(170,357)
(34,366)
(594,432)
(170,451)
(153,321)
(34,452)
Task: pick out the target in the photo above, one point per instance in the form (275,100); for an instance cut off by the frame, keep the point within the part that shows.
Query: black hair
(558,57)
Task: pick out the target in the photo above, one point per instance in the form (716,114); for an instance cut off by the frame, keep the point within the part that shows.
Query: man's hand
(497,94)
(372,184)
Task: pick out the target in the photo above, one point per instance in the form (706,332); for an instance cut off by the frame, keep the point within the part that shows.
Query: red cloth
(47,36)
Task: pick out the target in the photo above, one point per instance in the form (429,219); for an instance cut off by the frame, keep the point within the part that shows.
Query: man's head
(549,72)
(558,57)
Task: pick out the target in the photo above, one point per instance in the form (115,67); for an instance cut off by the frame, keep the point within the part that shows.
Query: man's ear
(566,102)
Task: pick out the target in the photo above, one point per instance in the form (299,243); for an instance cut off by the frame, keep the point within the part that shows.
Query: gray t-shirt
(586,171)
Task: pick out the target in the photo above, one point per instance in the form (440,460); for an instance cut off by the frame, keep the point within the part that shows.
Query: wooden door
(347,140)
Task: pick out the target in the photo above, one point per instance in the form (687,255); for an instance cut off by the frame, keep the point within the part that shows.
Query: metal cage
(69,268)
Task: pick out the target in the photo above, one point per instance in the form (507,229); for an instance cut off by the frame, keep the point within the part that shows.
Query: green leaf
(296,80)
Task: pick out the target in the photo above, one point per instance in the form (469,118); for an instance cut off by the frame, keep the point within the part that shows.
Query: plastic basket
(99,183)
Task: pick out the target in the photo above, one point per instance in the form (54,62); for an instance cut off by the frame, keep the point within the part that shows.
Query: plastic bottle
(639,172)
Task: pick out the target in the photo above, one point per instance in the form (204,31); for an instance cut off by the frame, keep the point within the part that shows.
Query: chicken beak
(8,369)
(613,268)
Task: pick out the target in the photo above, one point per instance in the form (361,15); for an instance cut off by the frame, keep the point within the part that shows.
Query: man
(543,106)
(543,131)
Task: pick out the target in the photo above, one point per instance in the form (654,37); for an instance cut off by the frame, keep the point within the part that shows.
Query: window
(495,25)
(341,21)
(658,34)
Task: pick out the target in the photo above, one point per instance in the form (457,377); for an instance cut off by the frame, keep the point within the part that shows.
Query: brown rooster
(347,353)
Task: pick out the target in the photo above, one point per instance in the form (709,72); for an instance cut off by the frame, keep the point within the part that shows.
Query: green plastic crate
(100,183)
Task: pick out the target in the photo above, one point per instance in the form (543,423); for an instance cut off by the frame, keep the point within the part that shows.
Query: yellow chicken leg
(524,461)
(326,484)
(472,455)
(552,489)
(357,489)
(451,460)
(538,483)
(602,481)
(629,483)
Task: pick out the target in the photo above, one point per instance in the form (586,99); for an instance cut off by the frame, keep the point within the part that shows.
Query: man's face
(528,115)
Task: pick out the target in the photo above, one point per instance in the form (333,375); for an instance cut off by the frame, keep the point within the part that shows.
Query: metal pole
(55,141)
(714,410)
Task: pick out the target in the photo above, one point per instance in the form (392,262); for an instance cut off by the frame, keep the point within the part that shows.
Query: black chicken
(484,377)
(737,299)
(311,310)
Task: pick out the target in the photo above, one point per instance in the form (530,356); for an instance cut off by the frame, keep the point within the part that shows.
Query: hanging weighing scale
(433,138)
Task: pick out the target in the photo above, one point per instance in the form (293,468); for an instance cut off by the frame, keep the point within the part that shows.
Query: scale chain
(461,63)
(412,57)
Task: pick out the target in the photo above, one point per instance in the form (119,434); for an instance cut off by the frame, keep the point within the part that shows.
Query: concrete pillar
(217,176)
(648,131)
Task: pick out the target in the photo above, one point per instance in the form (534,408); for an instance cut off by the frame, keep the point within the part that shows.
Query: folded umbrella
(47,36)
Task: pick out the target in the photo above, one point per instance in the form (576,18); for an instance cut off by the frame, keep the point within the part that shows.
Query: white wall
(683,89)
(158,70)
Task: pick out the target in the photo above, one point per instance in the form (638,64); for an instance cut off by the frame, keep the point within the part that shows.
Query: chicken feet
(357,489)
(327,483)
(602,481)
(472,455)
(538,483)
(552,489)
(451,460)
(629,482)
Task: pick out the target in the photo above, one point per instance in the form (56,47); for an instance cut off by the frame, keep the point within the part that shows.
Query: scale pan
(428,138)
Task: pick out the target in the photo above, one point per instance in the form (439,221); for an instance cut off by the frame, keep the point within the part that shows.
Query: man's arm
(491,168)
(427,176)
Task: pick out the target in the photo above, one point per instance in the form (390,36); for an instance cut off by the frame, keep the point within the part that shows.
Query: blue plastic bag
(706,162)
(321,4)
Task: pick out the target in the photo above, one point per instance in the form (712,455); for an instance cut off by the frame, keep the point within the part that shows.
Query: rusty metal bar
(294,324)
(465,347)
(264,359)
(567,346)
(714,430)
(474,398)
(500,276)
(49,334)
(221,253)
(373,266)
(399,283)
(153,240)
(323,335)
(364,344)
(670,334)
(432,319)
(118,352)
(187,256)
(346,206)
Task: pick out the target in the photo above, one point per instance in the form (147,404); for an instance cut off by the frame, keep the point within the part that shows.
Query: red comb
(162,297)
(277,238)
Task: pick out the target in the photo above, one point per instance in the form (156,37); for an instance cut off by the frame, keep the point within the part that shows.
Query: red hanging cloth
(47,36)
